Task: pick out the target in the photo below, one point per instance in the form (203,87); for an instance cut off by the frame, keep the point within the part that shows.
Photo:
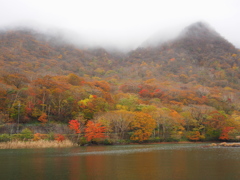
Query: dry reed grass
(230,144)
(224,144)
(36,144)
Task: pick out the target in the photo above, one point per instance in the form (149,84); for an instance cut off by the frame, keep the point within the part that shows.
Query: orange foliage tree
(39,136)
(142,126)
(43,118)
(194,136)
(94,130)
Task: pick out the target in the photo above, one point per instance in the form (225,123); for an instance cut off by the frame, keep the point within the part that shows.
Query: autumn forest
(184,89)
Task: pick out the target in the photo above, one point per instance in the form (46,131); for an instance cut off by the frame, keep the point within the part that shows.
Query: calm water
(130,162)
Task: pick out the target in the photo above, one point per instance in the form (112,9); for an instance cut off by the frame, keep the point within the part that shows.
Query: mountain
(199,30)
(198,44)
(26,51)
(204,44)
(183,80)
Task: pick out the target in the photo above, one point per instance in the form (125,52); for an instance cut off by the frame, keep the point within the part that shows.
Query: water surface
(133,162)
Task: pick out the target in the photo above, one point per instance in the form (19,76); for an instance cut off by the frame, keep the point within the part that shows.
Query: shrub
(156,139)
(171,139)
(38,136)
(107,141)
(5,137)
(212,134)
(122,141)
(51,136)
(82,141)
(59,137)
(16,137)
(26,134)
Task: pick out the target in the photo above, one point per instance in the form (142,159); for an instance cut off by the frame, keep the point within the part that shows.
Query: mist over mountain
(196,45)
(80,41)
(162,36)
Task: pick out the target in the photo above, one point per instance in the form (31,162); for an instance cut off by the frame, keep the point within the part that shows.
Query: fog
(120,24)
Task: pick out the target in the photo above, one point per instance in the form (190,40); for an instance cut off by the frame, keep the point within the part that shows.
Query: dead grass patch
(36,144)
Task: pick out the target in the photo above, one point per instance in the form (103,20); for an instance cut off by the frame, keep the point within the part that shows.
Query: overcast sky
(122,23)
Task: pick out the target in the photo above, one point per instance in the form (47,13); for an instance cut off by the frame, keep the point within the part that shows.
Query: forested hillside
(185,88)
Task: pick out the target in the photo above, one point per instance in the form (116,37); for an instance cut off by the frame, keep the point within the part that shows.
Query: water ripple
(132,149)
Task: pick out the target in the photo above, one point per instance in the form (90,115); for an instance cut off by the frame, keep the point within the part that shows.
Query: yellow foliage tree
(117,121)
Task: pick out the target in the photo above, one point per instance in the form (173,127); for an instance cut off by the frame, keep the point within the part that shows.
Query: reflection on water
(140,162)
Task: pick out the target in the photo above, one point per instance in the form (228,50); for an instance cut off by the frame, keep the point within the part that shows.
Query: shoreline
(68,144)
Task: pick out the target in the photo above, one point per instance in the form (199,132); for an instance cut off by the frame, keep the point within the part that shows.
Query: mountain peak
(199,30)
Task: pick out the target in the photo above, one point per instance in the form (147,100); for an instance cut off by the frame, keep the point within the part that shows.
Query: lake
(128,162)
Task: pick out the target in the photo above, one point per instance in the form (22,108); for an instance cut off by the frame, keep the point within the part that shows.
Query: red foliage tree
(158,93)
(144,93)
(59,137)
(94,130)
(74,125)
(151,92)
(224,135)
(216,120)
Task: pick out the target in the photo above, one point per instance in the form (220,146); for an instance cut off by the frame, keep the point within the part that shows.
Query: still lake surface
(125,162)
